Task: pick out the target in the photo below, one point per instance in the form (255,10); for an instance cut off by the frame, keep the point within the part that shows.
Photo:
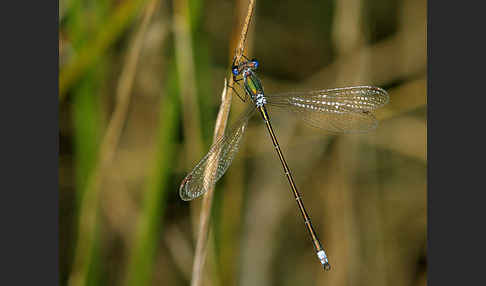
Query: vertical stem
(202,239)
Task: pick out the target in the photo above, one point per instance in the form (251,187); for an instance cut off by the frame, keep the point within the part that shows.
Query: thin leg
(321,254)
(234,61)
(236,80)
(234,89)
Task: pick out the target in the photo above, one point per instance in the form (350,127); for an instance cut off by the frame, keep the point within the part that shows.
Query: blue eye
(255,63)
(235,71)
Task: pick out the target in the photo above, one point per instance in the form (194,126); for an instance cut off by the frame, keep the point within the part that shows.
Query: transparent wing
(213,166)
(348,109)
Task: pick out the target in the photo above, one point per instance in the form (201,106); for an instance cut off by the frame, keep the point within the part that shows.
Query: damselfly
(338,110)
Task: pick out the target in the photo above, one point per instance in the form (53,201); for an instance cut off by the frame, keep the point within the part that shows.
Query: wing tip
(183,188)
(378,90)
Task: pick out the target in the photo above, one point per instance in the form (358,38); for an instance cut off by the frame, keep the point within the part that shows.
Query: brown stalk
(202,238)
(90,201)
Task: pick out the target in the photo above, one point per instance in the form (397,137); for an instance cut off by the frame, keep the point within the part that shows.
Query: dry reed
(220,126)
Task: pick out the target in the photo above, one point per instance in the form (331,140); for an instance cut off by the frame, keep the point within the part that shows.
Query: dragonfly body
(337,110)
(251,83)
(254,88)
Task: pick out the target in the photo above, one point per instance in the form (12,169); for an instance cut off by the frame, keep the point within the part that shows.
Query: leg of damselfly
(321,254)
(234,89)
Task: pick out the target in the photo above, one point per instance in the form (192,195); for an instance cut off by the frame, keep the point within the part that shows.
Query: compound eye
(255,63)
(235,71)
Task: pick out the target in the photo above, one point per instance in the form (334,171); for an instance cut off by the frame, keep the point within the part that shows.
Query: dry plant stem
(202,238)
(89,204)
(243,36)
(349,20)
(347,31)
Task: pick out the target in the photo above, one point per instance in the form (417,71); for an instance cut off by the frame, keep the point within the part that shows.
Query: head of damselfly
(245,70)
(238,69)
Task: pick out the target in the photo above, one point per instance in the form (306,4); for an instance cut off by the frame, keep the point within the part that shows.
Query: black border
(29,212)
(30,143)
(455,123)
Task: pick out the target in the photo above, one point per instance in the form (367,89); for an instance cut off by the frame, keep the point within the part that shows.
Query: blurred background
(140,85)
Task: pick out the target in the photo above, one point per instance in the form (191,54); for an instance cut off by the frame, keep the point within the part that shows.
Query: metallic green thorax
(252,84)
